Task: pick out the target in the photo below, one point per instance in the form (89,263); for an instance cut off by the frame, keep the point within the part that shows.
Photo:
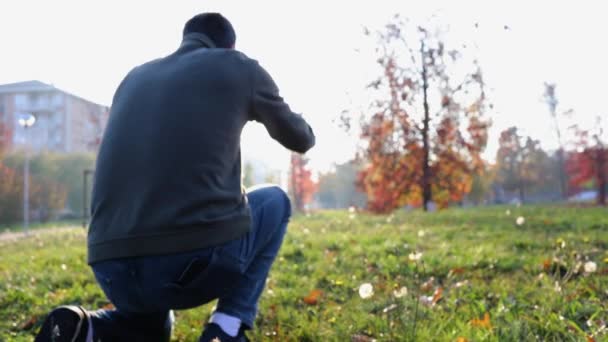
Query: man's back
(171,227)
(168,171)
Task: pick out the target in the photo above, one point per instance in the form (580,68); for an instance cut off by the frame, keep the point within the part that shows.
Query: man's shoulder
(225,55)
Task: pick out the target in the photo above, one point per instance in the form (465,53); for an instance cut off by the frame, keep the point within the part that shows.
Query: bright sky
(317,54)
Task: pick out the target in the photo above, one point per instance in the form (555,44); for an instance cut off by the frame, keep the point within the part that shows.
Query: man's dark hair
(214,26)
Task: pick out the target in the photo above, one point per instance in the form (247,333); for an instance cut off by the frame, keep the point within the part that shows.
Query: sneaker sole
(63,324)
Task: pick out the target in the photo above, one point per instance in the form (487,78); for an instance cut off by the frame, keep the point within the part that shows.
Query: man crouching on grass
(171,227)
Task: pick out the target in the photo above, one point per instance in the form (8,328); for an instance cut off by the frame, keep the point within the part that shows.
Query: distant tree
(301,186)
(47,197)
(427,131)
(482,185)
(70,169)
(589,162)
(337,188)
(11,184)
(551,100)
(11,195)
(521,162)
(2,135)
(56,180)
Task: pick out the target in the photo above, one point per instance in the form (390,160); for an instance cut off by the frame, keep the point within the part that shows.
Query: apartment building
(64,122)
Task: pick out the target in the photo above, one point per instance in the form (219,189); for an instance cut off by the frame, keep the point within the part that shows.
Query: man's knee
(272,198)
(282,197)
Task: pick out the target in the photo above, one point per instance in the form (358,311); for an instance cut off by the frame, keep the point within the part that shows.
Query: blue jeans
(144,289)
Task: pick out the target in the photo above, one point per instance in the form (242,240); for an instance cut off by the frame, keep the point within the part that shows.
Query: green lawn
(18,227)
(480,277)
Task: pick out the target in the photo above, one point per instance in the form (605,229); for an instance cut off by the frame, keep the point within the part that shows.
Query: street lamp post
(26,121)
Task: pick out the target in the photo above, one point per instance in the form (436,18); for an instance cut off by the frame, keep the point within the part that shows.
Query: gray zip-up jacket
(168,174)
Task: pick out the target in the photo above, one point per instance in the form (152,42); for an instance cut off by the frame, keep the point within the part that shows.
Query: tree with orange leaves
(301,185)
(589,162)
(427,131)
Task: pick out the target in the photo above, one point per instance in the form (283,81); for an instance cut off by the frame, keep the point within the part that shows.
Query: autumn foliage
(588,164)
(301,185)
(427,130)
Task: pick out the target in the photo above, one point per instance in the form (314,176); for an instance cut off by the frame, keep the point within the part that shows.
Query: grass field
(458,275)
(18,227)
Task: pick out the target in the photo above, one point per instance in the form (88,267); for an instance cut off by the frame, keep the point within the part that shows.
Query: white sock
(229,324)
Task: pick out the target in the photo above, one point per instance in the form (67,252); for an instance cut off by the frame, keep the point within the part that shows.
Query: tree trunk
(552,101)
(426,170)
(563,185)
(520,182)
(295,167)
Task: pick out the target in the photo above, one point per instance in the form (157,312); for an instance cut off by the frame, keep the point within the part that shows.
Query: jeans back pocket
(201,281)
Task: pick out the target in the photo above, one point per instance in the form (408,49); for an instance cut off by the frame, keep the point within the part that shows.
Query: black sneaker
(66,324)
(213,333)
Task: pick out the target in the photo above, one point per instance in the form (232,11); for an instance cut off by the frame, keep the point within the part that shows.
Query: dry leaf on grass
(482,323)
(438,295)
(456,270)
(313,297)
(427,285)
(30,323)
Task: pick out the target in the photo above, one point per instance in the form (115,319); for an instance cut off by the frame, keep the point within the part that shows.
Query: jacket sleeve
(268,108)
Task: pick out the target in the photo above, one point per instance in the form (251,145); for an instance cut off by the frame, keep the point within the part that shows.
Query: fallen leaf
(427,285)
(30,323)
(482,323)
(437,295)
(313,297)
(547,264)
(457,270)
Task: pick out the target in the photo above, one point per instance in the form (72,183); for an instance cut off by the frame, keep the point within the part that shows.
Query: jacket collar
(197,40)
